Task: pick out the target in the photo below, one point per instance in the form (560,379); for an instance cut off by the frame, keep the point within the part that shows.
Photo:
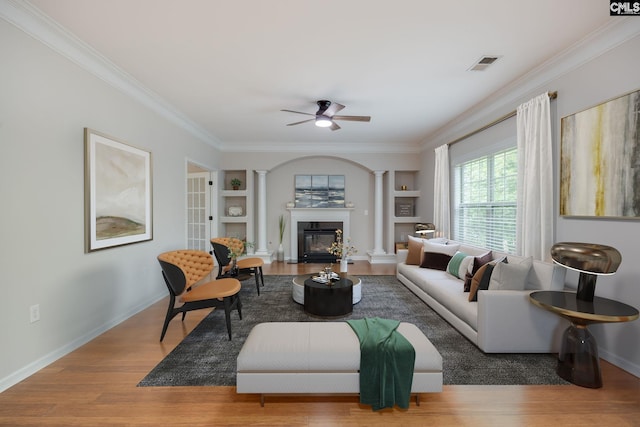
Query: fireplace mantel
(315,214)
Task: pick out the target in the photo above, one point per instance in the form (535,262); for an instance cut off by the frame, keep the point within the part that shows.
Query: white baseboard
(35,366)
(383,258)
(621,363)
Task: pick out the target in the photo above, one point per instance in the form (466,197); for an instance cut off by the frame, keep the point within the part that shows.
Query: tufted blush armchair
(183,272)
(226,248)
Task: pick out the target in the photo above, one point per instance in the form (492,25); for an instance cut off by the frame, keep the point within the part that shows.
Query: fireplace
(327,219)
(314,241)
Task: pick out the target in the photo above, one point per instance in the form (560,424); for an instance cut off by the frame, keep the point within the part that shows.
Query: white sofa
(501,321)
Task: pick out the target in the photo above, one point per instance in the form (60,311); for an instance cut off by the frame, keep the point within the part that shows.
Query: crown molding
(33,22)
(327,147)
(607,37)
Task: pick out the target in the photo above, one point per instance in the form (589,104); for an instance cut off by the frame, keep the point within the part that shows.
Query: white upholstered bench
(321,358)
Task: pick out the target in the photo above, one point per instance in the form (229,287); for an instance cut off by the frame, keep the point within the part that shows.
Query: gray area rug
(206,357)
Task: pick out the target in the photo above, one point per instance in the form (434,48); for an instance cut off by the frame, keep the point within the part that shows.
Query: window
(485,192)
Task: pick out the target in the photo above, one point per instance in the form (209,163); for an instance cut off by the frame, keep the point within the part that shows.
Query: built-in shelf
(233,193)
(233,219)
(407,193)
(240,201)
(407,219)
(403,209)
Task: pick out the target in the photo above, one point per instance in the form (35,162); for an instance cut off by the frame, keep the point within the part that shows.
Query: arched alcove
(359,190)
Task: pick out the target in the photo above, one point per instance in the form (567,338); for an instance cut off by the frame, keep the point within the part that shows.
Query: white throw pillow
(439,240)
(440,248)
(510,276)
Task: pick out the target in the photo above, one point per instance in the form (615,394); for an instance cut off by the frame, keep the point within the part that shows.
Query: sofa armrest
(401,255)
(509,323)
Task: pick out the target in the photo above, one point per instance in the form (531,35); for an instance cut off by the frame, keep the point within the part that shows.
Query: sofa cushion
(480,280)
(437,256)
(415,247)
(435,261)
(448,292)
(419,276)
(441,248)
(478,262)
(481,260)
(459,264)
(511,276)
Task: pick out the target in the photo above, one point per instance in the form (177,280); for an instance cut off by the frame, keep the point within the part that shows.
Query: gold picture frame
(118,192)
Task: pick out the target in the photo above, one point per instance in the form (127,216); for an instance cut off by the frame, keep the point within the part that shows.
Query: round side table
(578,360)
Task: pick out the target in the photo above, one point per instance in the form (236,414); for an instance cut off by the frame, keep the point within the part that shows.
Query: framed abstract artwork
(118,199)
(600,160)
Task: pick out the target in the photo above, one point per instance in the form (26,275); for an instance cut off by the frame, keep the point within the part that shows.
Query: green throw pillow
(459,264)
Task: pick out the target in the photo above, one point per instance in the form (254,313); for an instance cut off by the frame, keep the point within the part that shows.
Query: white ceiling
(230,66)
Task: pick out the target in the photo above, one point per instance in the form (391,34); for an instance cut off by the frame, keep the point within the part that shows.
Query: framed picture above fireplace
(319,191)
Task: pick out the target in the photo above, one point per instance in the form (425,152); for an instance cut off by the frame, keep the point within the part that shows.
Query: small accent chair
(222,249)
(182,269)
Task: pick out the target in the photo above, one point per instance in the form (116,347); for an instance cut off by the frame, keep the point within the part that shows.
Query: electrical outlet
(34,313)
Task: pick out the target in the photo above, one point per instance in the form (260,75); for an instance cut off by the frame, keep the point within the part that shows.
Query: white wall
(613,74)
(45,102)
(609,74)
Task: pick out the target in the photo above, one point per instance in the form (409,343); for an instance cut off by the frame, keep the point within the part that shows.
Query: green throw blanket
(386,363)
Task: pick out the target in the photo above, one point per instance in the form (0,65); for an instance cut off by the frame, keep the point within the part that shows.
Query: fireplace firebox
(314,240)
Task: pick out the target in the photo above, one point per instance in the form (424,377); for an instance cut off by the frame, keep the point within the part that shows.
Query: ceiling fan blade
(333,108)
(353,118)
(334,125)
(298,112)
(297,123)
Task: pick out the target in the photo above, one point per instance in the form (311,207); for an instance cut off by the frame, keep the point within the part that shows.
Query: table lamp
(590,260)
(423,229)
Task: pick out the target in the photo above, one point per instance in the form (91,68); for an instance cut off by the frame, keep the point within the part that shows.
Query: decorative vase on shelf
(280,253)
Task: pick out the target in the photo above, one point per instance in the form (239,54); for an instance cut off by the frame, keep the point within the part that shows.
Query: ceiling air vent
(483,63)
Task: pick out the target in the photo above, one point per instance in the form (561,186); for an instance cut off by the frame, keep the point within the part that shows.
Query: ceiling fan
(326,115)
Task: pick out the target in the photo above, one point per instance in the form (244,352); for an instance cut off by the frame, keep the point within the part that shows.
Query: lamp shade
(587,257)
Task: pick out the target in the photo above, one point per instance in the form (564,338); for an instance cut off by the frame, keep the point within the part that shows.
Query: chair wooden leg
(227,313)
(261,275)
(239,305)
(170,315)
(256,274)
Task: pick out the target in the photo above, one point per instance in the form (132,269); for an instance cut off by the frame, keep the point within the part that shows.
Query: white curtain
(534,217)
(441,215)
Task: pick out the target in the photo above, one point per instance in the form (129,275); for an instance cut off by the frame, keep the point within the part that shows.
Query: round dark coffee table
(324,300)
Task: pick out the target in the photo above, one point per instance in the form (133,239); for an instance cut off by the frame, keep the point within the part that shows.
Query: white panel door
(199,211)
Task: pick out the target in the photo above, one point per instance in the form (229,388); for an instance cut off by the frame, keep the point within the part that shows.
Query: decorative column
(378,215)
(261,248)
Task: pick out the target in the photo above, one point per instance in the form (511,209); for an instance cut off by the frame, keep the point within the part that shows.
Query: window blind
(484,199)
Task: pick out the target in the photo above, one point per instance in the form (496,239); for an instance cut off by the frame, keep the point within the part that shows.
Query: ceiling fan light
(323,122)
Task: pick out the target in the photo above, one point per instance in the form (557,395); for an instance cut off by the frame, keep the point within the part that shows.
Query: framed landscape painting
(600,160)
(118,205)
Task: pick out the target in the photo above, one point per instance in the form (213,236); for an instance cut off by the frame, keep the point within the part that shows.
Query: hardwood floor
(96,385)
